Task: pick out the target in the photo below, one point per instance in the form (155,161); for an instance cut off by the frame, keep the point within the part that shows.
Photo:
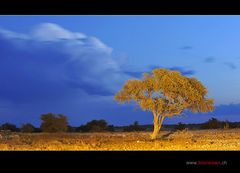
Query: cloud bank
(50,62)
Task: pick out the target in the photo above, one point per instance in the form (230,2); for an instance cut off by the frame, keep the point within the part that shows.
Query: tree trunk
(155,132)
(157,126)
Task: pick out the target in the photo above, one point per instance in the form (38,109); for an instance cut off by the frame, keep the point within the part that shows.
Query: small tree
(212,123)
(166,93)
(27,128)
(54,123)
(9,126)
(94,126)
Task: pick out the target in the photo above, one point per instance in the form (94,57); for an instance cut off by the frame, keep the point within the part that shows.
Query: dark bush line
(52,123)
(181,126)
(134,127)
(212,123)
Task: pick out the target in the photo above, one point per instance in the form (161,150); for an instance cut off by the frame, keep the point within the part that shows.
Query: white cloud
(49,32)
(13,35)
(99,45)
(53,32)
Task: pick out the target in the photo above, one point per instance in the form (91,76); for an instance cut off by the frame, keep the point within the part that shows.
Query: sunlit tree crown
(166,92)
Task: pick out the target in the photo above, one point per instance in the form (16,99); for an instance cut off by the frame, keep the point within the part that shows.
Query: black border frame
(119,160)
(117,7)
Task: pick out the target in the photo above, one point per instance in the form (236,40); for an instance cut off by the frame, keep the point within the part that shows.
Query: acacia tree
(166,93)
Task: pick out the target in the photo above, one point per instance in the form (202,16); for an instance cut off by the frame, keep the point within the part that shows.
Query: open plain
(167,140)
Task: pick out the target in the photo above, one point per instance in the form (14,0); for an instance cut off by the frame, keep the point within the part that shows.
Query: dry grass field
(179,140)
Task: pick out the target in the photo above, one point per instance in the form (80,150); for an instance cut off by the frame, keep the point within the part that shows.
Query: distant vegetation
(181,126)
(135,127)
(53,123)
(9,126)
(213,123)
(28,128)
(96,126)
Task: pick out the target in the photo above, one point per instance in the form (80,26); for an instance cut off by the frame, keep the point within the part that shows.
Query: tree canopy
(166,93)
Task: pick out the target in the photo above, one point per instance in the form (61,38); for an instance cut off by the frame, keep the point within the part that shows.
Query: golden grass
(180,140)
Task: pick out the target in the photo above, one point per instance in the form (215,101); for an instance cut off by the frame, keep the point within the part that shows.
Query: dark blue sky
(74,64)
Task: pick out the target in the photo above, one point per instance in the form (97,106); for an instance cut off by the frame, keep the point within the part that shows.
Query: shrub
(212,123)
(134,127)
(54,123)
(27,128)
(94,126)
(180,126)
(10,127)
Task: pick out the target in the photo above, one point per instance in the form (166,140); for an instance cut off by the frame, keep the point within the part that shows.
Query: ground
(178,140)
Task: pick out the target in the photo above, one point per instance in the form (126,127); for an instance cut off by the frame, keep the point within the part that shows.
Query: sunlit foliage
(166,93)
